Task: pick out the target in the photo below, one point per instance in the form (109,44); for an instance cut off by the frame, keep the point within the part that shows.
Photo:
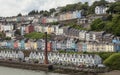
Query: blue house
(74,46)
(79,14)
(39,44)
(22,42)
(12,44)
(116,42)
(8,44)
(54,45)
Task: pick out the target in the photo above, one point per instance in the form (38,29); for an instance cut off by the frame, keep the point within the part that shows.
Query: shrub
(113,62)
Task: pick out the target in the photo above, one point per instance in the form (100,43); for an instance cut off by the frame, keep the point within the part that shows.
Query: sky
(14,7)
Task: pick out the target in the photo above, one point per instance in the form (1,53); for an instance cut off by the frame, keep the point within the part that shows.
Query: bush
(113,62)
(36,35)
(104,55)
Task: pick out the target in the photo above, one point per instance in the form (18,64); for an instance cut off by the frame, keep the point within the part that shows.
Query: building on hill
(68,59)
(6,27)
(51,20)
(116,42)
(100,10)
(22,29)
(100,47)
(67,17)
(29,29)
(9,33)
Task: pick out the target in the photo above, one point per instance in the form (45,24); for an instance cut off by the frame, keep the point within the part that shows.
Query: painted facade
(70,15)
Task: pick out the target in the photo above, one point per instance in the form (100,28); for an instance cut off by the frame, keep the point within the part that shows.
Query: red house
(29,29)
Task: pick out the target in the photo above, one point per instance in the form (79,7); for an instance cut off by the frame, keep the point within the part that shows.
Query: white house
(6,27)
(9,33)
(100,10)
(59,30)
(51,19)
(68,59)
(37,28)
(11,55)
(82,35)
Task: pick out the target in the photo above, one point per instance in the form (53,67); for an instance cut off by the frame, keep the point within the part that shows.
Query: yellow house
(35,45)
(49,30)
(89,47)
(100,47)
(92,47)
(109,48)
(27,47)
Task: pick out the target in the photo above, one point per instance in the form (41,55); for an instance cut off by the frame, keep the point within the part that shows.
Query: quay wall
(43,67)
(23,65)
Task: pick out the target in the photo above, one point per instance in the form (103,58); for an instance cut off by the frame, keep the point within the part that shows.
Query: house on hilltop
(100,10)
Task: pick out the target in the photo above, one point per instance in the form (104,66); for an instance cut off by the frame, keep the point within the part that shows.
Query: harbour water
(14,71)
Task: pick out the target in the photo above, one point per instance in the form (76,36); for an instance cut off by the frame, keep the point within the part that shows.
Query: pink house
(15,44)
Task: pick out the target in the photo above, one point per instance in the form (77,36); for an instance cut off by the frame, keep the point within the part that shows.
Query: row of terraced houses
(67,44)
(66,59)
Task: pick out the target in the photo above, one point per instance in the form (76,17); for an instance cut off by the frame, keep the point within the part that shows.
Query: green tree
(116,25)
(79,6)
(101,26)
(99,3)
(76,6)
(7,38)
(52,10)
(19,14)
(117,0)
(41,12)
(46,13)
(108,27)
(33,12)
(2,35)
(114,8)
(85,9)
(96,24)
(111,25)
(56,14)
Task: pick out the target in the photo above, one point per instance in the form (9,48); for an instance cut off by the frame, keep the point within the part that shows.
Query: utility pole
(45,52)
